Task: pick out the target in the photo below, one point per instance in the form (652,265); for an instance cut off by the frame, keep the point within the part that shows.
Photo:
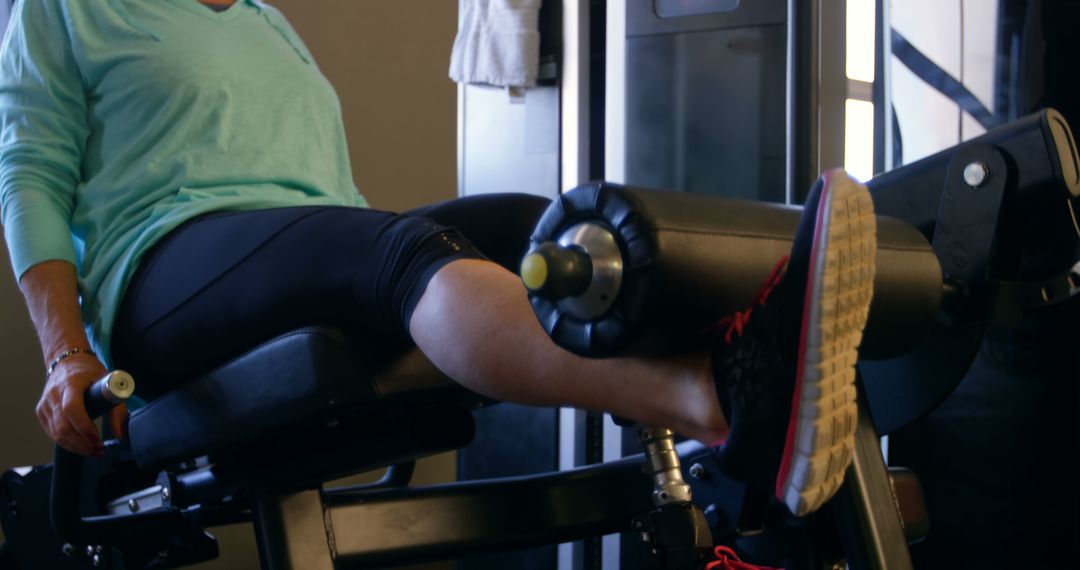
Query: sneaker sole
(821,432)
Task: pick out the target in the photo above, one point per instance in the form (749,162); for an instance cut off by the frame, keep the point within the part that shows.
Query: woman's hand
(62,411)
(51,291)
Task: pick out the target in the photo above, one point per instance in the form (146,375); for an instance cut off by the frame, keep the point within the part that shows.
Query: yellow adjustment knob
(534,271)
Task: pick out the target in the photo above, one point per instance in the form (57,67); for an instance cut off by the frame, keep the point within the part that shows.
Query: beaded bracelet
(64,355)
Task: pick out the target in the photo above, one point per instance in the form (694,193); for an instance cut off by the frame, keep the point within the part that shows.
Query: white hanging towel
(498,43)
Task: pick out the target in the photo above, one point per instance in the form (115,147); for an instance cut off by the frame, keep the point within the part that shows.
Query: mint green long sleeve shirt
(121,119)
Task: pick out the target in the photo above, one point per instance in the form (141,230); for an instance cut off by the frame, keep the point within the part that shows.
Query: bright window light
(860,40)
(859,139)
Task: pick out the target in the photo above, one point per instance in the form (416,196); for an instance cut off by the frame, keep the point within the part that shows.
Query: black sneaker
(788,391)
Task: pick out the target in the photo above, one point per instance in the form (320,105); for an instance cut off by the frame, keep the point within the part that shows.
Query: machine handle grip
(112,390)
(66,491)
(66,495)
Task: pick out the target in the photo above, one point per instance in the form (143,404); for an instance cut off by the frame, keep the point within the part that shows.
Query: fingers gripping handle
(65,495)
(112,390)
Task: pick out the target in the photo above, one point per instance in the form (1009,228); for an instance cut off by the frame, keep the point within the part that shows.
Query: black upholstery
(301,380)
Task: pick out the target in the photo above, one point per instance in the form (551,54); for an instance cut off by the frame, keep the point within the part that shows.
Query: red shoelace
(726,559)
(735,323)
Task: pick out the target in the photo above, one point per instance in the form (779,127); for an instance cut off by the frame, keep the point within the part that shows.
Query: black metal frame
(456,519)
(1005,246)
(303,529)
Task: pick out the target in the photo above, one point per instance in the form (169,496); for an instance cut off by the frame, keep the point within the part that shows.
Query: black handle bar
(66,492)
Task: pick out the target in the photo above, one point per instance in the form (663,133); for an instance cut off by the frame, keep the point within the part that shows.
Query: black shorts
(223,283)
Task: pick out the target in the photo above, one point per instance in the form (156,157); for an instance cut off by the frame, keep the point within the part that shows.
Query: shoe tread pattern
(827,415)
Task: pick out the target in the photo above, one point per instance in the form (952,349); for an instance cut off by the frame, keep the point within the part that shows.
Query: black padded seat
(305,379)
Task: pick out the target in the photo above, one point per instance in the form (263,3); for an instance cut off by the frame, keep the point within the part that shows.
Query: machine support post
(870,527)
(676,534)
(663,466)
(293,531)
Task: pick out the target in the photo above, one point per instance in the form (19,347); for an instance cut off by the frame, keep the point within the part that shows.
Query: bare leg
(475,323)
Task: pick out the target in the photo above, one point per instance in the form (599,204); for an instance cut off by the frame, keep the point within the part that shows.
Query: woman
(174,178)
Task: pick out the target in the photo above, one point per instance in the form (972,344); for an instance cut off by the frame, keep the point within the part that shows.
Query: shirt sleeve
(43,132)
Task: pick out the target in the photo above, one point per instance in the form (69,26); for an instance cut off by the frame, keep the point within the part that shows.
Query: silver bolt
(975,174)
(89,550)
(165,494)
(697,471)
(96,560)
(133,505)
(98,549)
(67,549)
